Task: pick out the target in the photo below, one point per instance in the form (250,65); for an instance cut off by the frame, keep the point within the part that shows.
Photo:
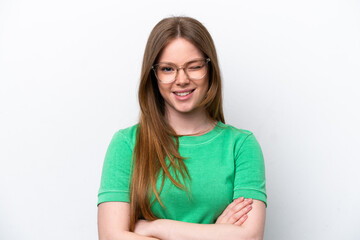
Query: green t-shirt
(224,164)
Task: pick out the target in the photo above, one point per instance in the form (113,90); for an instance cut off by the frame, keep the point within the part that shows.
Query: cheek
(205,86)
(164,90)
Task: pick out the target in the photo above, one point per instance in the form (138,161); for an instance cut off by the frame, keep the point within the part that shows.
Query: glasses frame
(183,67)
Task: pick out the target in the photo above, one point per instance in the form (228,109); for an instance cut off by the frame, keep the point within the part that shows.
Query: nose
(181,78)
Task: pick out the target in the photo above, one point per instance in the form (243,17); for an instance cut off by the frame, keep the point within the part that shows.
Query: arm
(113,206)
(252,228)
(114,221)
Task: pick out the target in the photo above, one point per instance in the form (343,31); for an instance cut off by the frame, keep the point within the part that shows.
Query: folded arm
(252,228)
(240,220)
(114,222)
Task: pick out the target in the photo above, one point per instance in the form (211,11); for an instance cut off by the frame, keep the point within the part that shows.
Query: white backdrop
(69,73)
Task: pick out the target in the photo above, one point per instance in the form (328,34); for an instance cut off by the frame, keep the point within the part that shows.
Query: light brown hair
(156,141)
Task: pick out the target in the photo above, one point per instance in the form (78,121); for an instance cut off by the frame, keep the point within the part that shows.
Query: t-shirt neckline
(191,140)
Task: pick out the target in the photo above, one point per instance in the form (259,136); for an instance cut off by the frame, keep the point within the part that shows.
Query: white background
(69,73)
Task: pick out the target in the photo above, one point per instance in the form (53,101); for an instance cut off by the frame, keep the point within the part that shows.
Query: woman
(182,173)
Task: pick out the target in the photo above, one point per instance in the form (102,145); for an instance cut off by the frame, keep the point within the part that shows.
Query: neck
(192,123)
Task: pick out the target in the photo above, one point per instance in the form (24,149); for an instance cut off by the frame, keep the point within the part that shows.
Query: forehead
(179,51)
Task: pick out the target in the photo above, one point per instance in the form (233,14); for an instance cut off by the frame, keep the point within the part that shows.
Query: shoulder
(234,132)
(129,132)
(125,136)
(240,137)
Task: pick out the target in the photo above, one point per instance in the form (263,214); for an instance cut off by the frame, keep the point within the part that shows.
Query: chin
(185,109)
(182,108)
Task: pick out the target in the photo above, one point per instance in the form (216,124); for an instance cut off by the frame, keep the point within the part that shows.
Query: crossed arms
(243,219)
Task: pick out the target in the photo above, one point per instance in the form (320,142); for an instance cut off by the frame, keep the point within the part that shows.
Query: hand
(156,229)
(236,212)
(142,227)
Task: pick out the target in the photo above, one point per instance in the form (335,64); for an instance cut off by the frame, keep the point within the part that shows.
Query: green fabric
(224,164)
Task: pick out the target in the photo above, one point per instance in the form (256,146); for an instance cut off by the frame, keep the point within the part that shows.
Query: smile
(183,94)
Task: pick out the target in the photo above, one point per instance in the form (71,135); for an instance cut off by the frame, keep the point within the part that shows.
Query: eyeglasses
(166,72)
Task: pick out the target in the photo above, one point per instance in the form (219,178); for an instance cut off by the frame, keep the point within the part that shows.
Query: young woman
(181,172)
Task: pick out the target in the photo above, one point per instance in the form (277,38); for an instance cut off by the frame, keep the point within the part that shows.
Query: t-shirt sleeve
(249,179)
(115,178)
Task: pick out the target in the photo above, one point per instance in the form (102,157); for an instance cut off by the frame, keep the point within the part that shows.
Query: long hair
(156,141)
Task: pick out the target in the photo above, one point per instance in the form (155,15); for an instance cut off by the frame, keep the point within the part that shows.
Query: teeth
(182,94)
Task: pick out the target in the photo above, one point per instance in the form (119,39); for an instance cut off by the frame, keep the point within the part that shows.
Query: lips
(183,93)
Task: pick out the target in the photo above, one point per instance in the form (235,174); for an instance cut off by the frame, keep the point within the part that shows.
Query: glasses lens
(196,69)
(166,72)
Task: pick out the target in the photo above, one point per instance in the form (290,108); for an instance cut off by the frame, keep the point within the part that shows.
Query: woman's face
(182,95)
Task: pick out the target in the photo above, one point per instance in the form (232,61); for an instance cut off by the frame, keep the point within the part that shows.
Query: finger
(241,220)
(231,205)
(220,219)
(242,205)
(240,214)
(237,211)
(237,206)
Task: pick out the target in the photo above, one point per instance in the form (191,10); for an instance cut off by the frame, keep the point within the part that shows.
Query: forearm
(125,235)
(114,222)
(175,230)
(252,228)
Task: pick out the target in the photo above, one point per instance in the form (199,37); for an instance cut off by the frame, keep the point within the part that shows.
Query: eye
(166,69)
(195,66)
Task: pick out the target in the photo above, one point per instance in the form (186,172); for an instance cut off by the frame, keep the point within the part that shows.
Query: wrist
(161,228)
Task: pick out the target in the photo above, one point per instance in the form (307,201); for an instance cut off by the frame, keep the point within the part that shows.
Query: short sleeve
(115,178)
(249,179)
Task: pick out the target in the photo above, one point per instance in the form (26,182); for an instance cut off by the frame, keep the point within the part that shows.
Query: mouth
(183,93)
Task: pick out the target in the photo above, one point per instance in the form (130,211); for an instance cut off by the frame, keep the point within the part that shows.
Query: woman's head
(164,33)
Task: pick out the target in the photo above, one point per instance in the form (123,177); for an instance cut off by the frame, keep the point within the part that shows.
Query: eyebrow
(196,59)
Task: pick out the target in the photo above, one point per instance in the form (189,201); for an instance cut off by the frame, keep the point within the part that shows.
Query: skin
(242,219)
